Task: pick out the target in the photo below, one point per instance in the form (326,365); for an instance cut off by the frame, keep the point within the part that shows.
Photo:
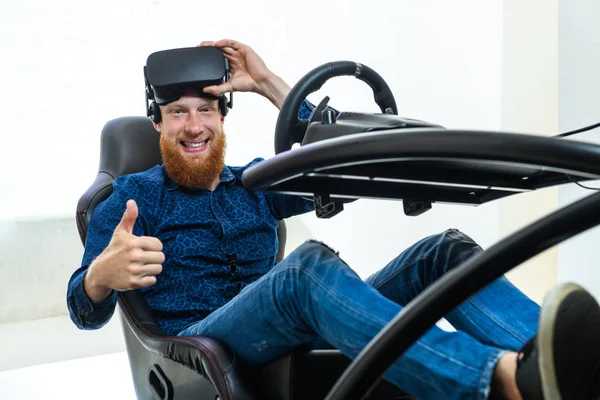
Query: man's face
(192,140)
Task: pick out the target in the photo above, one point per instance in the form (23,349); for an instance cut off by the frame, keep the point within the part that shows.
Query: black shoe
(563,361)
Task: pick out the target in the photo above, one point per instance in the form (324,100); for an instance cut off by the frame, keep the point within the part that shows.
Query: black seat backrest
(127,145)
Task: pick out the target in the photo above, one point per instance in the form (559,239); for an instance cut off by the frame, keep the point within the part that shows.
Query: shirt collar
(226,177)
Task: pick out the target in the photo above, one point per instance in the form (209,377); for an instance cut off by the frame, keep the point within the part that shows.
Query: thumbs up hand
(128,262)
(128,219)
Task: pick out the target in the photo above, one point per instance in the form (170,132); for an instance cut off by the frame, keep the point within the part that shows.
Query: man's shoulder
(149,181)
(154,175)
(237,171)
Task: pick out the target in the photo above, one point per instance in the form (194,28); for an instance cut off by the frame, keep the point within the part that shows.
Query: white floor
(50,358)
(49,340)
(101,377)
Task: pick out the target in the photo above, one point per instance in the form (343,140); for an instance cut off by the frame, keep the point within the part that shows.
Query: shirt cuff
(306,108)
(87,305)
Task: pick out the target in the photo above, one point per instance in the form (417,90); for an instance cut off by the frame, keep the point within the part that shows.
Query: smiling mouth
(194,145)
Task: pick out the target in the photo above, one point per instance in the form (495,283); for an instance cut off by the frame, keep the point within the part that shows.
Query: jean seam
(454,360)
(501,326)
(300,269)
(404,267)
(485,381)
(384,323)
(369,317)
(434,261)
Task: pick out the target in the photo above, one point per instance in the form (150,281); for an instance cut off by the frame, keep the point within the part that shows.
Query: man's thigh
(255,323)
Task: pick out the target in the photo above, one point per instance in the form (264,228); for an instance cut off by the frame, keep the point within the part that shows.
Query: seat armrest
(142,319)
(208,357)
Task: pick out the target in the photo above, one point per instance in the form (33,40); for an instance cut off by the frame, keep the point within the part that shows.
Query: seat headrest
(129,145)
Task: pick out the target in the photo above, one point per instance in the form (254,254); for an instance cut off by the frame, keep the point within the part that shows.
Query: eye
(206,109)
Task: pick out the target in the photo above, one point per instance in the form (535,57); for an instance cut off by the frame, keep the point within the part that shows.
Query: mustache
(195,173)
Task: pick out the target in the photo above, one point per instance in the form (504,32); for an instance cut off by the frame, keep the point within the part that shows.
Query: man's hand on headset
(249,73)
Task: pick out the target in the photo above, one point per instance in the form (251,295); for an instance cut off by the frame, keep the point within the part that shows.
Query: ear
(157,126)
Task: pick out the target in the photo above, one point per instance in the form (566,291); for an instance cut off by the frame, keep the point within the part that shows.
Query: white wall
(579,105)
(530,105)
(442,60)
(75,65)
(443,63)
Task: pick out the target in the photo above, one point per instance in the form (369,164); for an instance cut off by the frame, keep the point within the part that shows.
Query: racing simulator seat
(172,368)
(342,157)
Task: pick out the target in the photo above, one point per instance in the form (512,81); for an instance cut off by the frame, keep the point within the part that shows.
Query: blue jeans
(313,298)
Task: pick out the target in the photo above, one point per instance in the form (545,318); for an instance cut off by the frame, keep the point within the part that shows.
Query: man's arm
(90,305)
(117,257)
(249,73)
(276,90)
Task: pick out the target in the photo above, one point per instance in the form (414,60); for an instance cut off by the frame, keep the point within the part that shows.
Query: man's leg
(312,294)
(499,315)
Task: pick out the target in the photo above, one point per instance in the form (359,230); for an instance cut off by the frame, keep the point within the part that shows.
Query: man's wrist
(275,90)
(92,288)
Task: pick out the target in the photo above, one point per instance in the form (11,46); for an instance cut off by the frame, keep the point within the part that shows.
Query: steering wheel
(290,129)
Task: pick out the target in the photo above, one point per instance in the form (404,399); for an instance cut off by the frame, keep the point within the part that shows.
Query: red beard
(193,173)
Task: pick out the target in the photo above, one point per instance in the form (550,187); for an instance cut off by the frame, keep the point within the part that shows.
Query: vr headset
(169,73)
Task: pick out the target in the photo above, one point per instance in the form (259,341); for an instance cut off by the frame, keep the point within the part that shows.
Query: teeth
(194,145)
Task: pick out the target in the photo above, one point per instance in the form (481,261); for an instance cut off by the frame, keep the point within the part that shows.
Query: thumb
(217,90)
(129,217)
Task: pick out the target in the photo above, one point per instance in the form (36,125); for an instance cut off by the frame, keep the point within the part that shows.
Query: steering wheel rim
(290,129)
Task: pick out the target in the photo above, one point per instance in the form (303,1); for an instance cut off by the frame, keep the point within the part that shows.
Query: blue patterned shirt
(214,243)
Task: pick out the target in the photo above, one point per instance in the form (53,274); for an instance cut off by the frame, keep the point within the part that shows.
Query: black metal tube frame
(457,286)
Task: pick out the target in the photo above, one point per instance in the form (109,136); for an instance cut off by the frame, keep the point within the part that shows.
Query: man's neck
(215,183)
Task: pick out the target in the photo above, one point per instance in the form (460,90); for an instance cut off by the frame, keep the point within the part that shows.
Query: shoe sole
(545,337)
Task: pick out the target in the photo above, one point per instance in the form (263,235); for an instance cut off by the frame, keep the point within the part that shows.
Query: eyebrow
(177,104)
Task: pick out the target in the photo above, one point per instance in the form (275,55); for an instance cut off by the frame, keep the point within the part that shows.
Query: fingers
(229,43)
(149,243)
(217,90)
(144,275)
(142,257)
(151,257)
(228,51)
(223,44)
(145,281)
(152,269)
(129,217)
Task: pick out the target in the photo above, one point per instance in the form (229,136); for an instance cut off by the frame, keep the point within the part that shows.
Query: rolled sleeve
(84,312)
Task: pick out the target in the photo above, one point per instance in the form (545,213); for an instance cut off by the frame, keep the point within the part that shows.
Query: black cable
(579,184)
(587,128)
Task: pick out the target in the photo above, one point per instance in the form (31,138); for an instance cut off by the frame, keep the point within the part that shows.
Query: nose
(194,124)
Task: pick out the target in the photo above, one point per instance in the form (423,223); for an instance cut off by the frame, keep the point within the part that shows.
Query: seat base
(311,375)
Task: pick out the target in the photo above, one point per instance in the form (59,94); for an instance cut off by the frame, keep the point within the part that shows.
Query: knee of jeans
(454,247)
(315,255)
(455,235)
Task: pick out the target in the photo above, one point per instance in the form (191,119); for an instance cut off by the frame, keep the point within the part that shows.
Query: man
(202,249)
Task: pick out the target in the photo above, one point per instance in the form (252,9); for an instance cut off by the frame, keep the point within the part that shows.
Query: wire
(587,128)
(579,184)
